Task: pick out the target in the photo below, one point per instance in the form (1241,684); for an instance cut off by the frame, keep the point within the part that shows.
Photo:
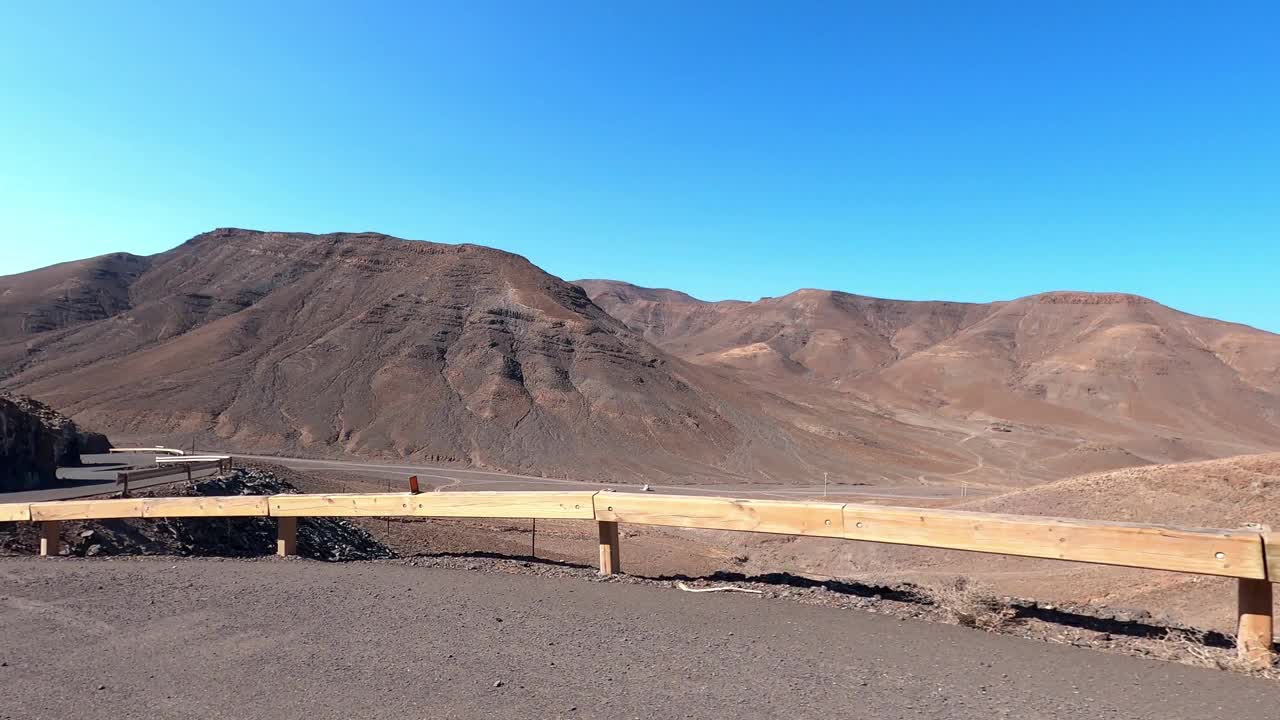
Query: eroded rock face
(35,440)
(26,448)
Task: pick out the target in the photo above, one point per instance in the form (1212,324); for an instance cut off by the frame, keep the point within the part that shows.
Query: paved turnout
(452,479)
(98,477)
(161,638)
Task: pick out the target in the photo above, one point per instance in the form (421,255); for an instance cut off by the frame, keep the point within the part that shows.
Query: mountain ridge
(367,344)
(1074,361)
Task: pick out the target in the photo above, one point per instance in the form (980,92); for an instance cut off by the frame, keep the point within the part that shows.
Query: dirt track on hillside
(170,638)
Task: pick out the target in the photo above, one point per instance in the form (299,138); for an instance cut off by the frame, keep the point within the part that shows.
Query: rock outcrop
(35,440)
(26,448)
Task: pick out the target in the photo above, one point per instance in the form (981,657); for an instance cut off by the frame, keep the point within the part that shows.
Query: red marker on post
(413,485)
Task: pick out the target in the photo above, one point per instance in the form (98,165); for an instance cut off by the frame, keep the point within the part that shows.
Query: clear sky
(922,150)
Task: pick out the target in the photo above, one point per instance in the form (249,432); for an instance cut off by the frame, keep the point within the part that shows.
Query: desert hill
(1067,382)
(67,294)
(367,344)
(371,345)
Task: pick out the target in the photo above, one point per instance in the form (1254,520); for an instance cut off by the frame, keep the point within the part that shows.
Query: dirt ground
(162,638)
(797,569)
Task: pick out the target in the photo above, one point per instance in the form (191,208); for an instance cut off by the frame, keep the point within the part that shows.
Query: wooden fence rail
(1252,556)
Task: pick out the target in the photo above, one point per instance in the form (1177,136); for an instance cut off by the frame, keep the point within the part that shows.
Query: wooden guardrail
(1251,556)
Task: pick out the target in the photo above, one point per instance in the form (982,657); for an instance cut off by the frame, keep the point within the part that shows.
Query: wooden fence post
(1256,627)
(50,538)
(286,536)
(609,548)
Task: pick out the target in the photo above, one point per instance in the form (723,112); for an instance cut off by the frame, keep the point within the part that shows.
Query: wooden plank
(341,505)
(574,505)
(15,512)
(570,505)
(1229,553)
(50,538)
(206,506)
(1272,540)
(1256,623)
(87,509)
(610,548)
(767,516)
(287,536)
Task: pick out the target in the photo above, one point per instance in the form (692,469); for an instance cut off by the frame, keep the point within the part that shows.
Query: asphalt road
(448,479)
(98,477)
(162,638)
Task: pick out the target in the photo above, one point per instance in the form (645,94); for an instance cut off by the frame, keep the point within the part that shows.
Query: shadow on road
(1115,626)
(485,555)
(840,587)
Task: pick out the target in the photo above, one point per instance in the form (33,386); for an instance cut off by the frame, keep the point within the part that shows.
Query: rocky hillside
(373,345)
(67,294)
(370,345)
(1072,382)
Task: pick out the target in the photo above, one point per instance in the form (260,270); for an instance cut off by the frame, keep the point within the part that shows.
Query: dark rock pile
(318,538)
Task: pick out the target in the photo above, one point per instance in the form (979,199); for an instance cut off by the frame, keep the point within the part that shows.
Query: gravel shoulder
(270,638)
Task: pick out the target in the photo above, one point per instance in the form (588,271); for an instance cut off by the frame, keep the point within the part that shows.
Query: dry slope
(1038,388)
(367,344)
(371,345)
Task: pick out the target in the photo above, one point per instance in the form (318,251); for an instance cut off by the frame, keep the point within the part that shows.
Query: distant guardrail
(179,459)
(166,466)
(1252,556)
(145,450)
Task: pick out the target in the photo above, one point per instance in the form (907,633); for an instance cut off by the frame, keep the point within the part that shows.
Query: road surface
(453,479)
(165,638)
(99,478)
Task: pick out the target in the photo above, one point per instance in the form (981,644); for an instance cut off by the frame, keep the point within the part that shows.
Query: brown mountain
(366,344)
(67,294)
(363,343)
(1039,388)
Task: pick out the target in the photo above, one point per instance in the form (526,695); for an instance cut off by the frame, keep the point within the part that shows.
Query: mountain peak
(1074,297)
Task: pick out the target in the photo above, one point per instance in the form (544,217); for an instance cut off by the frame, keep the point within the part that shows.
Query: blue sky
(922,150)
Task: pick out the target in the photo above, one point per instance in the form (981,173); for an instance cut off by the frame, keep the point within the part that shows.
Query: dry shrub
(1189,648)
(969,604)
